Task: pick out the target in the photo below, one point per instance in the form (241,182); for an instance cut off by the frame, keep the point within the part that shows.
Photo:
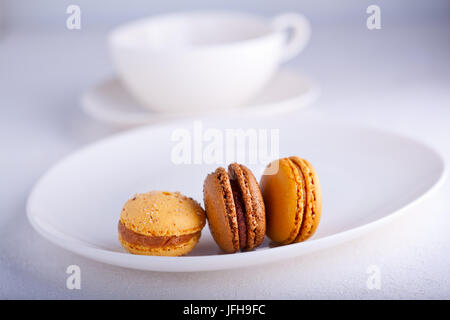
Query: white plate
(110,102)
(368,177)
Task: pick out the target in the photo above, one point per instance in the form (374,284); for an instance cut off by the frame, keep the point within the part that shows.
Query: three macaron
(286,205)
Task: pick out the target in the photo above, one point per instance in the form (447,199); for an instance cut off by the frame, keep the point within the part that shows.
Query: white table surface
(396,78)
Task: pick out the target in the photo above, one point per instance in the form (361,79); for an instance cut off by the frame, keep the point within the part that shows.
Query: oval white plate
(110,102)
(368,178)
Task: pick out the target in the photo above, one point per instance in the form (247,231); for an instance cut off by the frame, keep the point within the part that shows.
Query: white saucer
(110,102)
(368,178)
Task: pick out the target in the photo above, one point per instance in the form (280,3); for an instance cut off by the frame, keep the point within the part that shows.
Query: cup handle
(300,33)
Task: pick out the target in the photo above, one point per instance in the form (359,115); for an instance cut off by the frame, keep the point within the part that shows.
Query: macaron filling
(135,238)
(240,213)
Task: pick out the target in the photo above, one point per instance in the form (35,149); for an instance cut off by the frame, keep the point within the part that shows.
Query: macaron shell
(254,204)
(172,251)
(220,209)
(284,198)
(308,219)
(159,213)
(313,210)
(259,209)
(318,197)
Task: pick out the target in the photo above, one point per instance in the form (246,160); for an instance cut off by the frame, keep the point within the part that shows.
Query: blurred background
(397,78)
(104,13)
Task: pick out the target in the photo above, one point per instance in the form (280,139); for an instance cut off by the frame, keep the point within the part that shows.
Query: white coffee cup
(203,60)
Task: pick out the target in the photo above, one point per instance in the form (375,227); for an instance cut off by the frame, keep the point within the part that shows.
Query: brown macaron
(234,208)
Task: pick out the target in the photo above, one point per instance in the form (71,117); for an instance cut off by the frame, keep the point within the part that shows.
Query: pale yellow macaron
(161,223)
(293,199)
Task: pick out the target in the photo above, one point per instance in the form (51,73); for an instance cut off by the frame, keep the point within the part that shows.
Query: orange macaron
(234,208)
(293,200)
(160,223)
